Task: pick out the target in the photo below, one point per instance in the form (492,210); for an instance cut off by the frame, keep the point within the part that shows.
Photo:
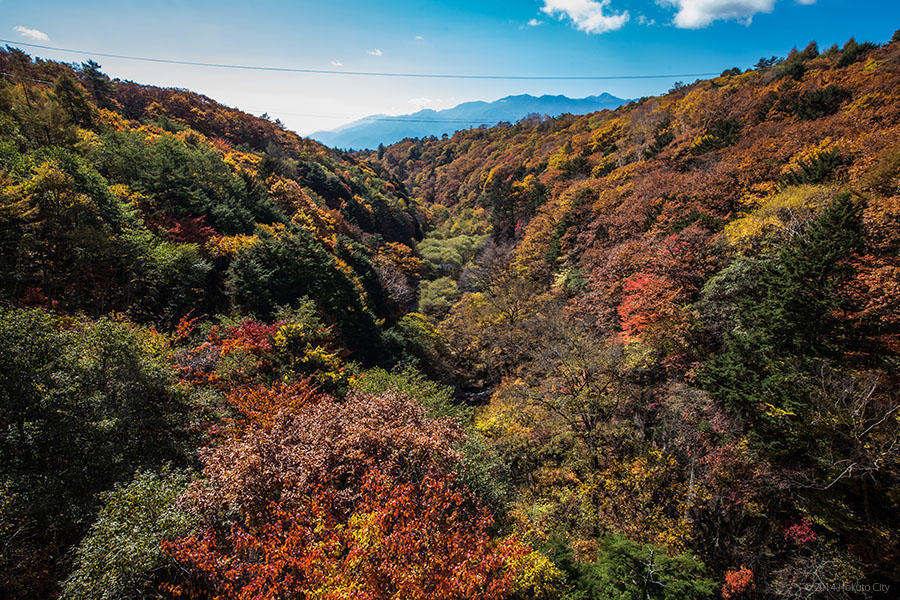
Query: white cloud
(375,52)
(806,2)
(420,103)
(337,63)
(534,23)
(588,16)
(419,38)
(695,14)
(643,20)
(34,34)
(427,102)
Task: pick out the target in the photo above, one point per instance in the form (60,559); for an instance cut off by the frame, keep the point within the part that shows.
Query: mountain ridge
(368,132)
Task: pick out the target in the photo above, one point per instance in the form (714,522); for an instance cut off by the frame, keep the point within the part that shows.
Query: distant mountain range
(370,131)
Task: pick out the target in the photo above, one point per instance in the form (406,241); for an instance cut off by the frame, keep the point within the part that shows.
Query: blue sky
(522,37)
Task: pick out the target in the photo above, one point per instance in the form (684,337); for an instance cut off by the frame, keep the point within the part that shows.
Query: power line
(402,119)
(395,118)
(11,76)
(361,73)
(372,118)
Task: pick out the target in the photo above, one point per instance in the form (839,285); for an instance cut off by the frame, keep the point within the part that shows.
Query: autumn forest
(644,353)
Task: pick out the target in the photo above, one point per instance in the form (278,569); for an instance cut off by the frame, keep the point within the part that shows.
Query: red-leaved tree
(332,499)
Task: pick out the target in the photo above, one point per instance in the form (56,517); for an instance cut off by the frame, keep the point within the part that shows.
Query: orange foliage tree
(341,499)
(414,541)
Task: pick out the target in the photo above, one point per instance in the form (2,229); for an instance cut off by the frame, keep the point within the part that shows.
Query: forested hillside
(684,314)
(642,353)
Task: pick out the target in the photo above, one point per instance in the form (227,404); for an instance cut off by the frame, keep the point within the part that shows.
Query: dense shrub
(817,169)
(720,134)
(854,51)
(436,297)
(820,102)
(121,558)
(280,270)
(624,569)
(82,406)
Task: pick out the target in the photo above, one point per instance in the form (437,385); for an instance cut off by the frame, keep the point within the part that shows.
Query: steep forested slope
(143,232)
(684,312)
(653,351)
(159,202)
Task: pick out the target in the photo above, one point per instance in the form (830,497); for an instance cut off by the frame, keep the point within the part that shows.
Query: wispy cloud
(375,52)
(644,20)
(589,16)
(337,63)
(806,2)
(534,23)
(420,38)
(420,103)
(34,34)
(432,103)
(696,14)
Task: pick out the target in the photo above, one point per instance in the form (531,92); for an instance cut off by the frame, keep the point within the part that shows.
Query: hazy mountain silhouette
(370,131)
